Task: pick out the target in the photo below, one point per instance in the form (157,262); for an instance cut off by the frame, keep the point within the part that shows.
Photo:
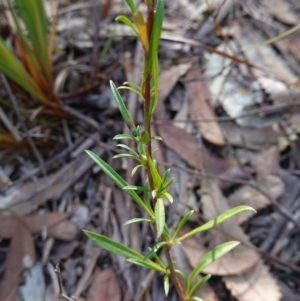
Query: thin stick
(61,294)
(23,125)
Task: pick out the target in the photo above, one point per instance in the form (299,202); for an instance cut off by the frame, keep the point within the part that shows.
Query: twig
(9,126)
(55,159)
(271,109)
(23,125)
(61,294)
(93,123)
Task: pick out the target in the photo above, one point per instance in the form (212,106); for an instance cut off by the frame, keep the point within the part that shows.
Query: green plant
(31,69)
(155,190)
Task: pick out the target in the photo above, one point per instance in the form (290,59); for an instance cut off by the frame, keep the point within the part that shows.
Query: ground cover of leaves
(229,118)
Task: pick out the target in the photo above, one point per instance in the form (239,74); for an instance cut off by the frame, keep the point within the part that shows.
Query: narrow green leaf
(158,260)
(132,187)
(123,110)
(159,216)
(157,25)
(212,256)
(166,284)
(137,220)
(167,196)
(197,298)
(133,90)
(155,175)
(128,148)
(182,223)
(123,136)
(131,5)
(125,156)
(170,265)
(128,22)
(119,181)
(155,249)
(146,195)
(33,14)
(165,175)
(219,219)
(166,232)
(25,40)
(198,284)
(148,264)
(135,169)
(156,138)
(183,275)
(154,39)
(166,185)
(113,246)
(133,85)
(155,72)
(13,69)
(142,30)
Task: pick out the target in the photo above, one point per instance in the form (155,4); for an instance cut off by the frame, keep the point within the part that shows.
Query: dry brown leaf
(168,80)
(205,292)
(267,162)
(105,286)
(282,10)
(21,256)
(189,149)
(200,108)
(277,79)
(36,223)
(267,166)
(26,198)
(250,196)
(249,137)
(257,284)
(182,143)
(241,258)
(66,230)
(293,44)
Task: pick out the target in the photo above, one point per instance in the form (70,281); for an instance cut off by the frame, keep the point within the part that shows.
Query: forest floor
(229,117)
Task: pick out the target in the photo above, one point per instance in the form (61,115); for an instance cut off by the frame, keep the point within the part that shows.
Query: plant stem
(147,125)
(174,275)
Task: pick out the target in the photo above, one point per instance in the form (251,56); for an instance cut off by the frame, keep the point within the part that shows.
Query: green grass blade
(219,219)
(212,256)
(24,39)
(13,69)
(132,6)
(119,181)
(33,14)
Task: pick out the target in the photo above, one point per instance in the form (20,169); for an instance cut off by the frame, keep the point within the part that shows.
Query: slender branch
(174,276)
(61,294)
